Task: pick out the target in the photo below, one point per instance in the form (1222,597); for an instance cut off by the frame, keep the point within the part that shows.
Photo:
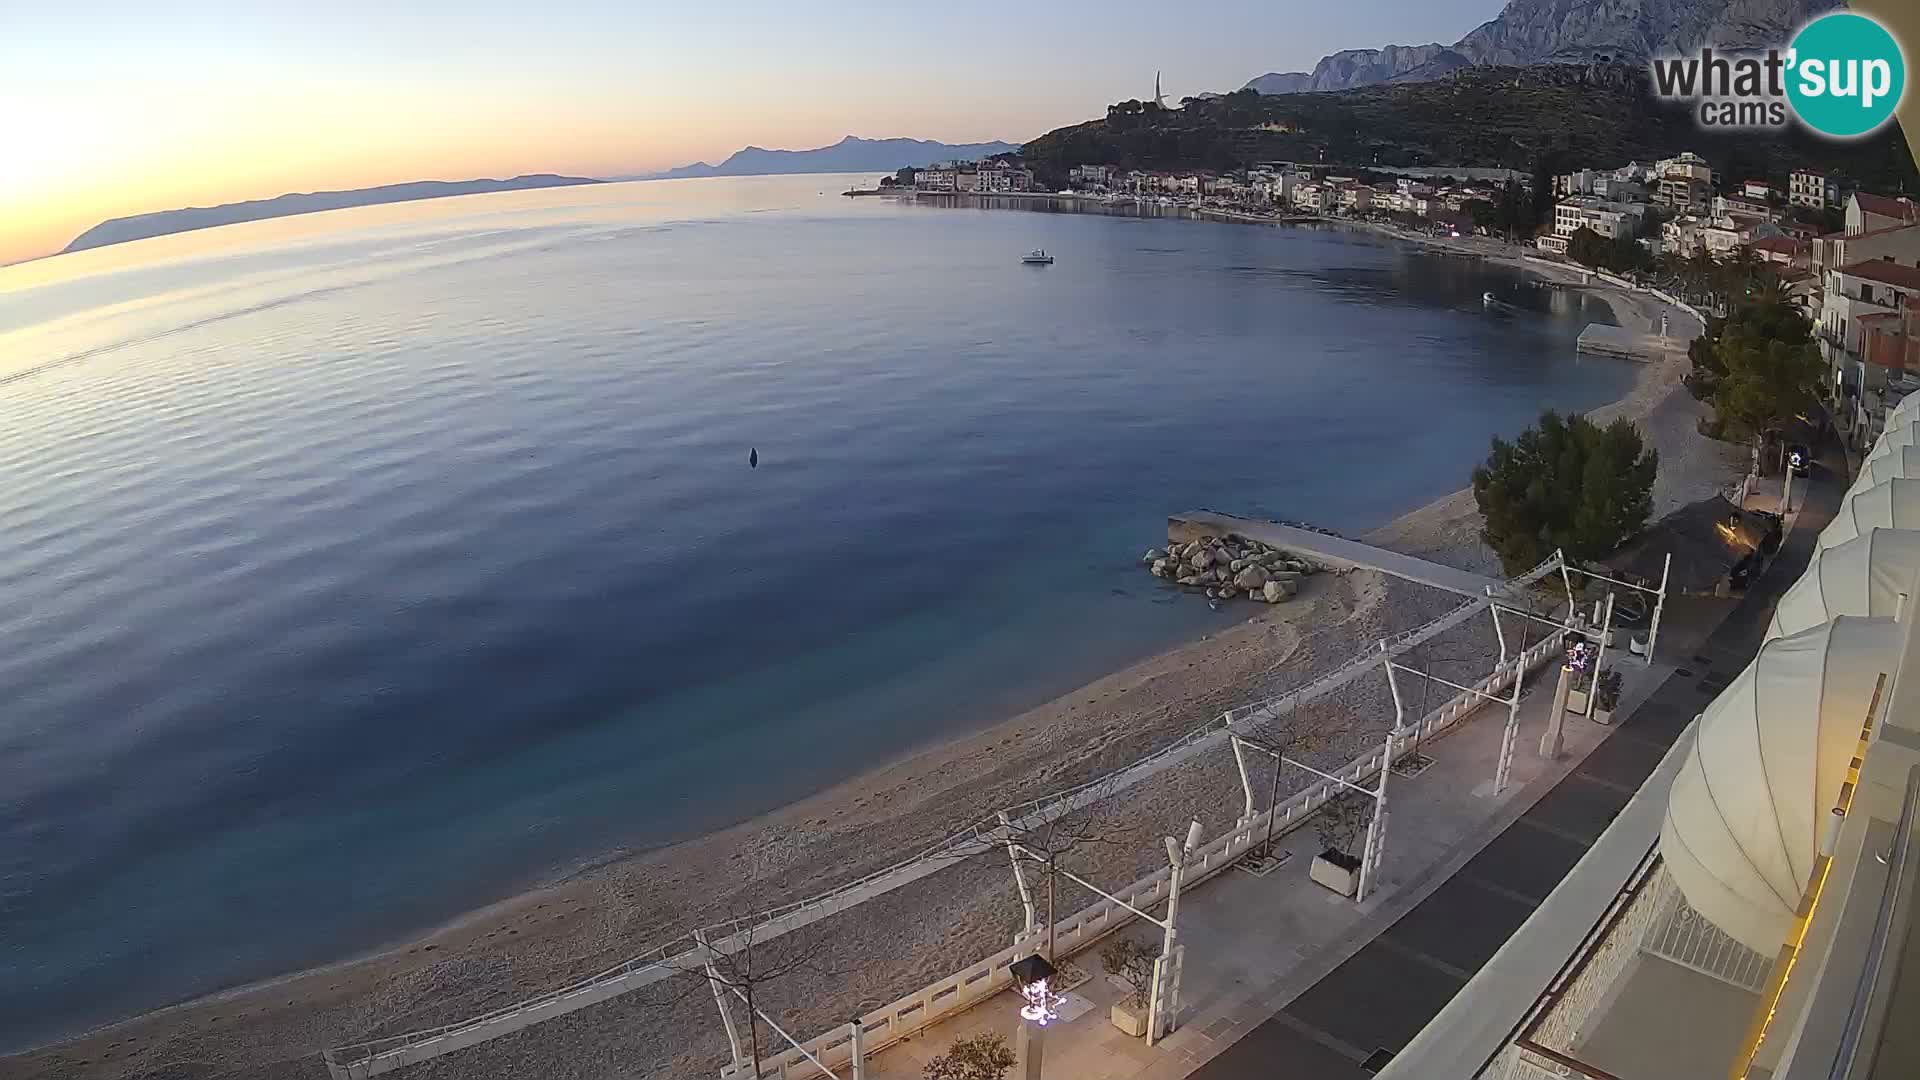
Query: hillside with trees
(1538,120)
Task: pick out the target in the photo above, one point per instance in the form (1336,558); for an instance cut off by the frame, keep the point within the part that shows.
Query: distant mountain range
(1562,32)
(161,223)
(848,155)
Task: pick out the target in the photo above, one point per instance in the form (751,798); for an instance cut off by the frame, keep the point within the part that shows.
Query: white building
(1610,219)
(1089,175)
(999,177)
(940,176)
(1813,189)
(1868,213)
(1873,287)
(1315,198)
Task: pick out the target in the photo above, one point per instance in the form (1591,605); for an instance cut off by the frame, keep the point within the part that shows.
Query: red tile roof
(1785,245)
(1886,272)
(1886,206)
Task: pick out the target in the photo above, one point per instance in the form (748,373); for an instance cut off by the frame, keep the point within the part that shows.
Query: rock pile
(1229,567)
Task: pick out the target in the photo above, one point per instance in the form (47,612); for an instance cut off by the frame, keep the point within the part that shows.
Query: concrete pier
(1332,552)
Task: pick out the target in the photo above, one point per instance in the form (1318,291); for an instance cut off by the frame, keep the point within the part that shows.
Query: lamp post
(1039,1005)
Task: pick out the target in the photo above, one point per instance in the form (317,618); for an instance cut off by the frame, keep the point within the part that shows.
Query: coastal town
(1848,258)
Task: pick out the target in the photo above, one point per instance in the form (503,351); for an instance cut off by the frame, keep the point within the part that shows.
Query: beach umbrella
(1892,504)
(1866,575)
(1751,803)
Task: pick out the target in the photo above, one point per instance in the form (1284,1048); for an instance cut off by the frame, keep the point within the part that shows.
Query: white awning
(1899,433)
(1746,812)
(1863,576)
(1895,463)
(1891,504)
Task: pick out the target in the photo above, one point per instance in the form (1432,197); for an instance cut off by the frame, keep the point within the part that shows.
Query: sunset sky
(109,109)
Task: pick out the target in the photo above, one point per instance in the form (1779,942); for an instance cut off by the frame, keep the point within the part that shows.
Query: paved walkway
(1339,552)
(1252,941)
(1349,1024)
(1286,981)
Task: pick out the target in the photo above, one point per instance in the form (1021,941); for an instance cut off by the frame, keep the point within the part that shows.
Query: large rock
(1159,568)
(1153,555)
(1277,591)
(1252,577)
(1201,559)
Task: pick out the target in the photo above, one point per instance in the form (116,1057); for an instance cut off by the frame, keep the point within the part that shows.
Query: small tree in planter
(1339,824)
(1131,962)
(981,1057)
(1606,695)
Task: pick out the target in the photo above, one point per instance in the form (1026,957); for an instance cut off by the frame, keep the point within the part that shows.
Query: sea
(365,567)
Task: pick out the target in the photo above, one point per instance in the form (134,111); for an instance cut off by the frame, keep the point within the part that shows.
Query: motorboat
(1037,257)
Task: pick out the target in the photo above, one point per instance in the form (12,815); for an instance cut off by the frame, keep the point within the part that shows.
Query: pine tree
(1566,483)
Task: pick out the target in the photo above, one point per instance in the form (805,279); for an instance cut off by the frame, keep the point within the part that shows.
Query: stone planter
(1577,701)
(1337,871)
(1129,1019)
(1602,716)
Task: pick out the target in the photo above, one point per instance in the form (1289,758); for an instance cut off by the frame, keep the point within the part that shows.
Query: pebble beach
(629,901)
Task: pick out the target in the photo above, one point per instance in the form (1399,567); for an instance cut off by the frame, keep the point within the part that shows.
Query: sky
(109,108)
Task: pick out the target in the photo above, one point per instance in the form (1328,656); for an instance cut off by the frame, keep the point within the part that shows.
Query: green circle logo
(1846,75)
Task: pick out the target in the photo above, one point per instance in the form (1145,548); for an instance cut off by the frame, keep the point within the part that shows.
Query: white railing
(373,1057)
(968,987)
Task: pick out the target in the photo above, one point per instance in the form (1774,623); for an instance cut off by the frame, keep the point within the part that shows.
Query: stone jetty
(1230,566)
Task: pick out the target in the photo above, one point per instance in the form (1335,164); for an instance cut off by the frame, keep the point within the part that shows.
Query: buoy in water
(753,458)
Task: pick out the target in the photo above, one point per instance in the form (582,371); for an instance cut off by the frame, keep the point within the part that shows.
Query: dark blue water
(365,567)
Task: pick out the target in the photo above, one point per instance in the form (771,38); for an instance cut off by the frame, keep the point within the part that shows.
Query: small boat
(1037,257)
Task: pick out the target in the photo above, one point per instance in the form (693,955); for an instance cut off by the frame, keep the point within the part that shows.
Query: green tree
(1758,367)
(1620,254)
(982,1057)
(1565,483)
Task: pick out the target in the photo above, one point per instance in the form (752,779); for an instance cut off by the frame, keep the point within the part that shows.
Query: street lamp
(1031,975)
(1038,1005)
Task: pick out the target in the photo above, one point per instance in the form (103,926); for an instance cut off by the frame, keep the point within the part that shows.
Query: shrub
(981,1057)
(1132,961)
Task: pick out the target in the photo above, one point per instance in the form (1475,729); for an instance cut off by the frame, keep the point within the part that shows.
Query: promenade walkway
(1347,1025)
(1336,552)
(1286,981)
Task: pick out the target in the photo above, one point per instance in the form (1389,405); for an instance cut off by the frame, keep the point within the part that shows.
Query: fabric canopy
(1863,576)
(1899,433)
(1896,463)
(1746,813)
(1891,504)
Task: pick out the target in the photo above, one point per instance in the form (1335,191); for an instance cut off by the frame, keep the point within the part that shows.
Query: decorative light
(1041,1004)
(1580,655)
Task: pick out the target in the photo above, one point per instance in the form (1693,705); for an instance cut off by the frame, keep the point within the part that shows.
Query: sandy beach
(631,901)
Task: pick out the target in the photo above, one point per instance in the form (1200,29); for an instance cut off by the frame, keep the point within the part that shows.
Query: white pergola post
(1399,708)
(857,1038)
(1246,784)
(720,999)
(1660,602)
(1606,630)
(1376,845)
(1019,876)
(1498,633)
(1164,1004)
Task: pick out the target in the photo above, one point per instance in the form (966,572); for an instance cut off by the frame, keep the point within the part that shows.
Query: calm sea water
(361,568)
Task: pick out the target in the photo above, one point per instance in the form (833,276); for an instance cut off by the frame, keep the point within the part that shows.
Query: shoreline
(617,905)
